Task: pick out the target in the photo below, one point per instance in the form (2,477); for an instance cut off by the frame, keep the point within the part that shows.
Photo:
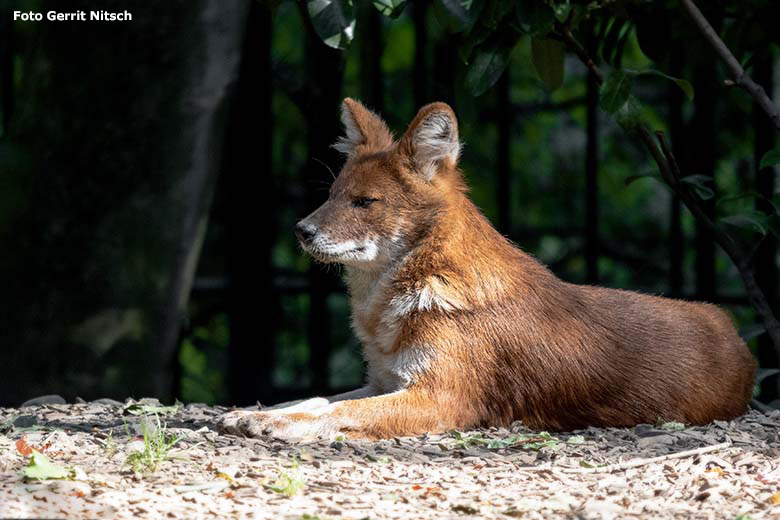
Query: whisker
(326,166)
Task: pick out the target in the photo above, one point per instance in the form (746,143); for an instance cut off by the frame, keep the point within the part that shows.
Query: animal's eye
(363,202)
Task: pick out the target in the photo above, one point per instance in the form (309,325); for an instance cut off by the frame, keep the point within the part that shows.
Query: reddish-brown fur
(503,339)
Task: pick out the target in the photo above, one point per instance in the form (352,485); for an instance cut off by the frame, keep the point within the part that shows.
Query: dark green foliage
(547,56)
(487,63)
(391,8)
(89,212)
(334,21)
(771,158)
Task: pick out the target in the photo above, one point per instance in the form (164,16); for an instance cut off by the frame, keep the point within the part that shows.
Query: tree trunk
(6,69)
(205,106)
(122,164)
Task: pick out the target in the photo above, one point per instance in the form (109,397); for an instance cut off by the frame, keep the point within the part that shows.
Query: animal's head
(389,193)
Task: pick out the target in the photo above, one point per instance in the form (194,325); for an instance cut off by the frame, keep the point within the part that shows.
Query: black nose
(305,232)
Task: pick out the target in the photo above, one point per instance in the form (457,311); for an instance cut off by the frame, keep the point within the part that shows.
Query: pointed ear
(432,139)
(364,129)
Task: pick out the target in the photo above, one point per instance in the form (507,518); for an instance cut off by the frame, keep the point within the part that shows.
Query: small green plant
(41,468)
(671,426)
(289,482)
(529,441)
(157,445)
(109,446)
(148,409)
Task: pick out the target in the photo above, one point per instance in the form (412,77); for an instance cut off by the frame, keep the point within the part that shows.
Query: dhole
(460,328)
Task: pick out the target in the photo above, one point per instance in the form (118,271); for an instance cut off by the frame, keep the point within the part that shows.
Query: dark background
(151,172)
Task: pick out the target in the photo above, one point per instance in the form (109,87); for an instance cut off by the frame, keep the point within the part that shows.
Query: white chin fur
(346,252)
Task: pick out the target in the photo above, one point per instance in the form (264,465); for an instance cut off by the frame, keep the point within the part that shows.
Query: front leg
(238,422)
(402,413)
(313,403)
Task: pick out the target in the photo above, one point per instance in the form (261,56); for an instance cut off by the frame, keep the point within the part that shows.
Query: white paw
(276,424)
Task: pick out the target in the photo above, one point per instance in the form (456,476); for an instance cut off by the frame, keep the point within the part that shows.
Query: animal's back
(629,358)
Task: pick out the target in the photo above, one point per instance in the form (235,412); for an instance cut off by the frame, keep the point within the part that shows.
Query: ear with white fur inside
(363,129)
(432,138)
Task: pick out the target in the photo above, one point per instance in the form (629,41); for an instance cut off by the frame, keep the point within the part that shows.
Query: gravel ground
(722,470)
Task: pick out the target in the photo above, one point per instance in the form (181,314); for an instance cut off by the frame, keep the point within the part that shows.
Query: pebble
(44,399)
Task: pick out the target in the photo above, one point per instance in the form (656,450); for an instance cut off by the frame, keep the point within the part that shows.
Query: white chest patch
(433,295)
(391,366)
(397,370)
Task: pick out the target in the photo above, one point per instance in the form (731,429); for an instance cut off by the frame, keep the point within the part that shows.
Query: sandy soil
(723,470)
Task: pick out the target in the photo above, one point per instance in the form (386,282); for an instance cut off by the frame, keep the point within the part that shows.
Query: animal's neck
(464,260)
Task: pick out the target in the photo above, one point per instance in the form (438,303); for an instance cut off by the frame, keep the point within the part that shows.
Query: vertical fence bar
(503,153)
(765,263)
(371,49)
(591,181)
(247,185)
(325,67)
(677,130)
(701,158)
(420,70)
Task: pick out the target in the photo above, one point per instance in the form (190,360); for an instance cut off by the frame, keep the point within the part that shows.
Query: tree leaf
(615,91)
(476,37)
(534,17)
(763,373)
(753,222)
(458,16)
(684,85)
(751,331)
(699,183)
(22,447)
(614,40)
(629,115)
(488,62)
(333,20)
(494,13)
(547,56)
(390,8)
(773,225)
(771,158)
(653,43)
(633,178)
(41,468)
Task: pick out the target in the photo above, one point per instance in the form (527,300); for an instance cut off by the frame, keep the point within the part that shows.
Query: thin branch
(620,466)
(741,78)
(576,47)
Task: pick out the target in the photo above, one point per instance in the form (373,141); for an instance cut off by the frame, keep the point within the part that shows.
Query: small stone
(25,421)
(656,440)
(107,401)
(44,399)
(647,430)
